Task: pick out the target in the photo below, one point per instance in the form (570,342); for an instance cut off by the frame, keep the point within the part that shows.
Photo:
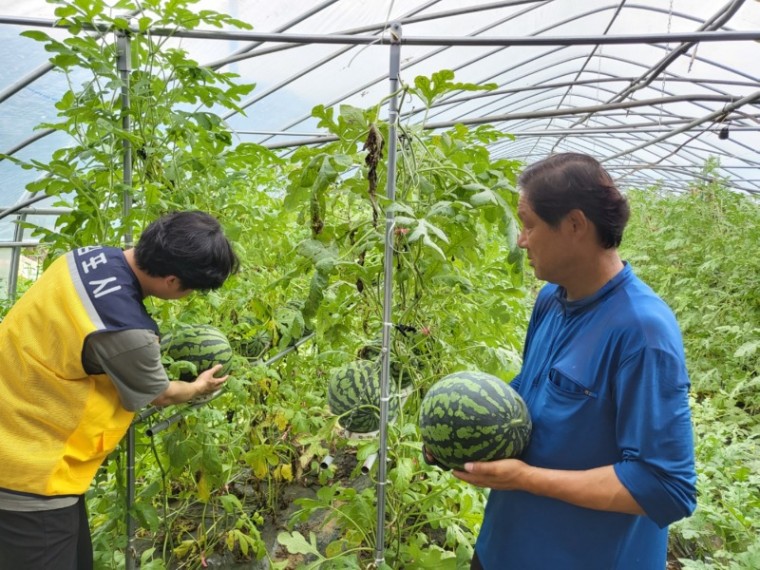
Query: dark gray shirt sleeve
(132,359)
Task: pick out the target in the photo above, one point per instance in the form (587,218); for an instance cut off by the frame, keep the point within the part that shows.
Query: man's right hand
(203,387)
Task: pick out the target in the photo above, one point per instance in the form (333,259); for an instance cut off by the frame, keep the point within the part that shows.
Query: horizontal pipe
(326,462)
(542,114)
(657,38)
(14,244)
(635,128)
(161,426)
(21,205)
(41,211)
(561,112)
(288,350)
(145,414)
(415,17)
(458,100)
(27,142)
(368,463)
(279,133)
(34,75)
(619,130)
(714,116)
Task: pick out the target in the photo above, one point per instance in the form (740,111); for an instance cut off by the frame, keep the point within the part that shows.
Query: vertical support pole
(393,76)
(124,67)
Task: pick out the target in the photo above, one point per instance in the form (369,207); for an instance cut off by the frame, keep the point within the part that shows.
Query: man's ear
(578,221)
(172,281)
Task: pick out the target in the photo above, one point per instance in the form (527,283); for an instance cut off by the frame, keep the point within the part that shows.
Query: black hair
(189,245)
(570,181)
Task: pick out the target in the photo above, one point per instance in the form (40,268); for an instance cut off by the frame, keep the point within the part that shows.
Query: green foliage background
(699,251)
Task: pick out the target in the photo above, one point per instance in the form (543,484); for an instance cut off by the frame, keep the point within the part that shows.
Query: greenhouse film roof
(652,88)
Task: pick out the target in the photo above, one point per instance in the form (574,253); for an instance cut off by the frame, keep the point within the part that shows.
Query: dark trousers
(46,540)
(475,564)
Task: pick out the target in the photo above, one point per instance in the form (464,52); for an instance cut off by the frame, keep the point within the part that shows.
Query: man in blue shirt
(610,463)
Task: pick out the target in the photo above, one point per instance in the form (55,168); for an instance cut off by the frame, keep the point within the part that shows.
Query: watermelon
(291,326)
(353,393)
(473,416)
(401,367)
(252,343)
(197,348)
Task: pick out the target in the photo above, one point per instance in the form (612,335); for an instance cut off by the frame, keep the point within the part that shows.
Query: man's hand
(505,474)
(597,488)
(207,383)
(202,387)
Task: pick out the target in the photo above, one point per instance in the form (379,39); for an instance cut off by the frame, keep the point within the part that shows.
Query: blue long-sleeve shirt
(605,381)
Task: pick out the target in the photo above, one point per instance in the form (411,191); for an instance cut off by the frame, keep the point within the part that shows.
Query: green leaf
(451,280)
(36,35)
(144,23)
(747,349)
(352,114)
(147,514)
(325,116)
(441,83)
(433,558)
(65,11)
(426,228)
(405,221)
(295,543)
(484,197)
(64,60)
(231,503)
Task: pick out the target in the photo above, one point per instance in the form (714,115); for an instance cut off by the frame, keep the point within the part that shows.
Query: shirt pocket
(563,385)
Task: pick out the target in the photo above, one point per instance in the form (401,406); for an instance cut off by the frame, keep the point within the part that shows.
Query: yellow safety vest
(58,423)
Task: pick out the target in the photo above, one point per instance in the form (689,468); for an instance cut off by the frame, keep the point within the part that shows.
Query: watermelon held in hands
(197,348)
(473,416)
(353,393)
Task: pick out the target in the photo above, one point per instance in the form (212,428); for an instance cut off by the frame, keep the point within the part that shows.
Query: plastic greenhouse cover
(650,125)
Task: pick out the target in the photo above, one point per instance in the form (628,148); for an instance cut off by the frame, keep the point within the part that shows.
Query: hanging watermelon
(197,348)
(353,393)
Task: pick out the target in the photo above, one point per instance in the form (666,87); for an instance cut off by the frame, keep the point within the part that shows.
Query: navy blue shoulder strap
(112,287)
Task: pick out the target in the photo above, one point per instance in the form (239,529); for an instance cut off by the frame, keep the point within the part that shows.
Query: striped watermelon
(399,372)
(196,348)
(353,393)
(250,342)
(473,416)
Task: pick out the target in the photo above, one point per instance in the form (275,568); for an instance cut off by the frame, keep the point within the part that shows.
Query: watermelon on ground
(353,393)
(197,348)
(473,416)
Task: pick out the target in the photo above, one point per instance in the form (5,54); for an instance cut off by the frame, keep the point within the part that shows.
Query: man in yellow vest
(79,354)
